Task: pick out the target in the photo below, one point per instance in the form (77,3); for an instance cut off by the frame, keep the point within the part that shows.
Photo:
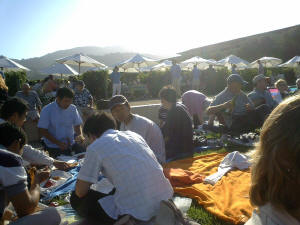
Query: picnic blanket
(179,177)
(228,199)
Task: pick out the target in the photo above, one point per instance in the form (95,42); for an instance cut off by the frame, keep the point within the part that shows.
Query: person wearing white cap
(235,110)
(260,95)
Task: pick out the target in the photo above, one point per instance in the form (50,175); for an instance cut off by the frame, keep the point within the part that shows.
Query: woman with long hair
(275,187)
(3,91)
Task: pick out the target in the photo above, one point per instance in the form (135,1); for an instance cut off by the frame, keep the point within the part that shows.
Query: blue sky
(32,28)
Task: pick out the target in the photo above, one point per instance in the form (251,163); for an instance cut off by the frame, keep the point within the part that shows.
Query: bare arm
(218,108)
(45,133)
(77,130)
(82,188)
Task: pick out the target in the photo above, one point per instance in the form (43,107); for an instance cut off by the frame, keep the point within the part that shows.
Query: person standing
(196,78)
(261,69)
(176,76)
(233,69)
(115,77)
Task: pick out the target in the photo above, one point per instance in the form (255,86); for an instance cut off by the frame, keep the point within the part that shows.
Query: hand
(61,165)
(228,105)
(249,107)
(42,175)
(62,145)
(80,139)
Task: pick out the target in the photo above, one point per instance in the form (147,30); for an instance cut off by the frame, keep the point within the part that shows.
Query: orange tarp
(228,199)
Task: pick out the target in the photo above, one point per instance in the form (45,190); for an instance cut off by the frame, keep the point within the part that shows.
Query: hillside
(283,44)
(107,55)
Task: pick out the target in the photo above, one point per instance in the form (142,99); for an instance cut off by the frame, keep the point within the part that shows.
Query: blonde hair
(280,82)
(276,159)
(2,84)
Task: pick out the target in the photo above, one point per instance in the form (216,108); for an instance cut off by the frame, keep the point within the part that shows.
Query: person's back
(126,160)
(178,133)
(150,132)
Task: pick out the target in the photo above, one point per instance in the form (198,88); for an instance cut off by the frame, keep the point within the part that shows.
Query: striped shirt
(13,177)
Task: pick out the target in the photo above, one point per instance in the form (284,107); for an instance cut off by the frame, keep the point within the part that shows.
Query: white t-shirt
(150,132)
(126,160)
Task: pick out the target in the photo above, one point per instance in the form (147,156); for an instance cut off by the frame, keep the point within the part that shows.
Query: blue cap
(236,78)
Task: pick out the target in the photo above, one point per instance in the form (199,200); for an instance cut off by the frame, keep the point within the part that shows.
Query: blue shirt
(115,77)
(196,74)
(175,71)
(59,123)
(265,95)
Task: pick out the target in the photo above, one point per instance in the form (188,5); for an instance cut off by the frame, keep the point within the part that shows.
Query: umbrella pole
(79,67)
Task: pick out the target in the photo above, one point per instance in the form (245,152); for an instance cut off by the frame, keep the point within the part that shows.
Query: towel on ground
(228,199)
(179,177)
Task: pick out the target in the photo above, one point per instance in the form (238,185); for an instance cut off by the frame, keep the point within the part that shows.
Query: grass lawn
(197,212)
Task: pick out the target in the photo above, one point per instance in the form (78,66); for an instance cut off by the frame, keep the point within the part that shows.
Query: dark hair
(80,83)
(13,105)
(168,93)
(64,92)
(10,133)
(98,123)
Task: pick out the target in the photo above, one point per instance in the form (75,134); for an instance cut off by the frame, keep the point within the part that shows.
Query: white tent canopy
(200,62)
(233,60)
(266,61)
(59,69)
(162,66)
(80,60)
(137,62)
(293,62)
(9,64)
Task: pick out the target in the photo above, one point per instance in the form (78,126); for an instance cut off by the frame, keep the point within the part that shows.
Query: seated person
(57,123)
(196,103)
(283,88)
(162,116)
(235,109)
(151,133)
(275,177)
(47,90)
(15,111)
(13,182)
(260,95)
(126,160)
(33,100)
(82,97)
(178,128)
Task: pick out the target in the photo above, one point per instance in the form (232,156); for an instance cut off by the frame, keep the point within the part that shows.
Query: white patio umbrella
(233,60)
(293,62)
(80,60)
(200,62)
(137,62)
(162,66)
(266,61)
(59,69)
(9,64)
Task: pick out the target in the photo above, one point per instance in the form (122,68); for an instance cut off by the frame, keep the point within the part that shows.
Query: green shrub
(156,80)
(14,81)
(97,83)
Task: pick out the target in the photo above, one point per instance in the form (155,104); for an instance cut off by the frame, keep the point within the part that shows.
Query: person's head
(116,69)
(174,62)
(195,66)
(97,124)
(64,97)
(120,108)
(276,160)
(233,66)
(2,84)
(235,83)
(298,83)
(13,138)
(258,61)
(1,68)
(281,85)
(260,82)
(26,88)
(168,96)
(15,111)
(79,86)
